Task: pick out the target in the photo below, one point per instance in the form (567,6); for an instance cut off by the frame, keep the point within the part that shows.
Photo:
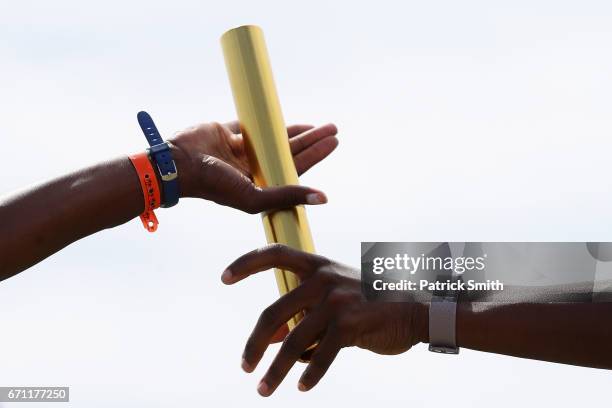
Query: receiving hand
(337,316)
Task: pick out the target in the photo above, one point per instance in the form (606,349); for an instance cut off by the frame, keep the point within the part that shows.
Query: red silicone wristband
(150,189)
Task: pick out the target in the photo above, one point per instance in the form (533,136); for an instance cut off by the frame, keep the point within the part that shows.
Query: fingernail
(263,389)
(226,276)
(246,366)
(316,198)
(302,387)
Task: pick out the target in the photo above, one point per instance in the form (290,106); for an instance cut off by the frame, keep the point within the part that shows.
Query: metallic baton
(266,141)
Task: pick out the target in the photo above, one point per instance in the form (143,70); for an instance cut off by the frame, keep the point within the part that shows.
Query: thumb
(274,198)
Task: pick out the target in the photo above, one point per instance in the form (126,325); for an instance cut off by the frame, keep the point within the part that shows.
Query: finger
(279,256)
(308,137)
(321,359)
(277,198)
(274,317)
(314,153)
(233,126)
(295,130)
(231,187)
(296,342)
(280,334)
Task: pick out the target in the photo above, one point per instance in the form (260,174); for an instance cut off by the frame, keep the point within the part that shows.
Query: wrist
(184,165)
(421,322)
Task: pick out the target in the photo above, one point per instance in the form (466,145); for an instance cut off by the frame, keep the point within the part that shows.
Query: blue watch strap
(160,153)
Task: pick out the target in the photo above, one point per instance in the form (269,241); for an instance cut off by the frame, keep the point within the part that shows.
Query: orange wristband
(150,189)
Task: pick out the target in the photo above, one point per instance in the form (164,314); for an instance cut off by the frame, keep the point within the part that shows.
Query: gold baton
(266,141)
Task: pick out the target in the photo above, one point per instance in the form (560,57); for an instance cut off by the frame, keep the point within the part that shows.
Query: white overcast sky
(458,121)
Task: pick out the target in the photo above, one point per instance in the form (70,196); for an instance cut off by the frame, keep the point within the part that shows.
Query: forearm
(40,221)
(570,333)
(211,164)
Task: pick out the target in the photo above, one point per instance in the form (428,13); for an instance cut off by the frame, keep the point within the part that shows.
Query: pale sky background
(483,121)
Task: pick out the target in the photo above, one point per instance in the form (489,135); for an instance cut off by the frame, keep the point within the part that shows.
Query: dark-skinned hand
(212,165)
(337,316)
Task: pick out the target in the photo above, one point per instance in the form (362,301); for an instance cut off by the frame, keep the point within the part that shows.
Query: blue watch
(161,156)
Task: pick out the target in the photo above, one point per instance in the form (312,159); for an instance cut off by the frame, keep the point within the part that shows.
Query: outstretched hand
(212,164)
(337,316)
